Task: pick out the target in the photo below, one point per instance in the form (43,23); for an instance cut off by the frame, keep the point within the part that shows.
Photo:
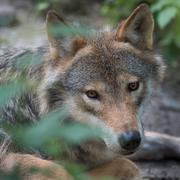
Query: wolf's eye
(92,94)
(133,86)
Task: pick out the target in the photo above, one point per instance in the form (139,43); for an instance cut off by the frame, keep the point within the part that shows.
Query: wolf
(103,80)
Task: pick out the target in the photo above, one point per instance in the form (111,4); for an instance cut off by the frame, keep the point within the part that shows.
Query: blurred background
(22,26)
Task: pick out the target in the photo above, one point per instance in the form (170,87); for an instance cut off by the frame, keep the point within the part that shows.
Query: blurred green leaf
(28,59)
(158,5)
(51,128)
(76,133)
(10,90)
(47,128)
(165,16)
(61,31)
(177,40)
(13,175)
(42,6)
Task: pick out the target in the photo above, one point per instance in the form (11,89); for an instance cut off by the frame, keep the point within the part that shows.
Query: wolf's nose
(130,140)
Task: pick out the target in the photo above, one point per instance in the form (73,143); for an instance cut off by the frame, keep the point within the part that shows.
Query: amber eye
(92,94)
(133,86)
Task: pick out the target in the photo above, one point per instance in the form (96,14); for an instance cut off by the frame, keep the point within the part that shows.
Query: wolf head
(104,79)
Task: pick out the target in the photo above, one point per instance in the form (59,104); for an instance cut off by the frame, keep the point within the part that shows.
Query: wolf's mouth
(128,153)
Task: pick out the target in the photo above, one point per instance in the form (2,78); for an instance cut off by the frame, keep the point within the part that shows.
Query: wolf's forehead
(106,65)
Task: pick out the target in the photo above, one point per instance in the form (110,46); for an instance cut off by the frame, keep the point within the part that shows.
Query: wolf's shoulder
(11,55)
(14,61)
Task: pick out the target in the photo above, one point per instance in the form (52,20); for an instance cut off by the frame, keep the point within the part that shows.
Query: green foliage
(28,59)
(167,18)
(44,5)
(10,90)
(63,30)
(51,127)
(14,175)
(117,9)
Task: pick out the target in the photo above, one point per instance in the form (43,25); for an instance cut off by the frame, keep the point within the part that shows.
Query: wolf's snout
(130,141)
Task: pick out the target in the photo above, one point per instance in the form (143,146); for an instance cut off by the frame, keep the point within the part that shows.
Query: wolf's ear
(53,23)
(77,44)
(138,28)
(57,29)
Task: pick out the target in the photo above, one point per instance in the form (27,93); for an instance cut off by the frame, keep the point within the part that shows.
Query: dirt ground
(161,115)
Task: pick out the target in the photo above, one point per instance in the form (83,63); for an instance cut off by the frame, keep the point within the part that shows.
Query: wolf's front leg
(121,169)
(158,146)
(33,168)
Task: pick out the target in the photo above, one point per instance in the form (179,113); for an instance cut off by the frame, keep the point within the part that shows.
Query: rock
(160,170)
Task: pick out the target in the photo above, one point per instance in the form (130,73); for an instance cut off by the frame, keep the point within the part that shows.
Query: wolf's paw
(121,169)
(32,168)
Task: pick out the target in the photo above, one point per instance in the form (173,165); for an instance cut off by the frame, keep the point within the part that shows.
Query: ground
(161,115)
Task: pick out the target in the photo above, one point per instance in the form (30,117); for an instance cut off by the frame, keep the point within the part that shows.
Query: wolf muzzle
(130,141)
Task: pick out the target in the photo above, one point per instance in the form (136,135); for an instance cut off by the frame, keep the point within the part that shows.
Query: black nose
(130,140)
